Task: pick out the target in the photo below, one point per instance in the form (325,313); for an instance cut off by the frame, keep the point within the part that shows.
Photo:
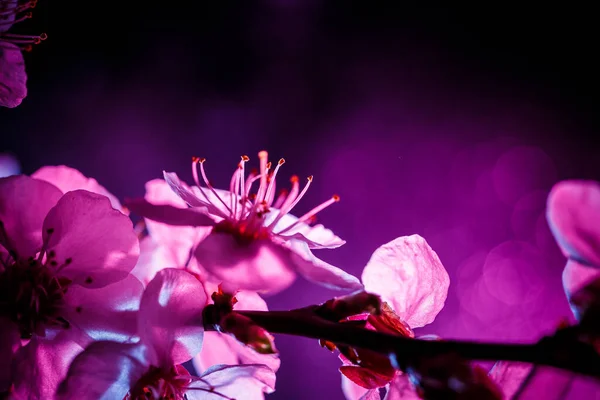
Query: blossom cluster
(94,306)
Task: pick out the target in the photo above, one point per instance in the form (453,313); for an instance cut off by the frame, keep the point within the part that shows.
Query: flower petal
(68,179)
(169,215)
(41,365)
(159,192)
(219,348)
(216,349)
(575,276)
(13,78)
(170,317)
(544,383)
(408,274)
(509,376)
(401,389)
(107,313)
(354,392)
(573,212)
(98,240)
(154,257)
(238,382)
(9,165)
(182,190)
(105,371)
(318,271)
(317,236)
(8,20)
(259,266)
(10,341)
(24,203)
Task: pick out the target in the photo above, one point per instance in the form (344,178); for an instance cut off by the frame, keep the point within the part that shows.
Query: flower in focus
(169,246)
(13,78)
(171,332)
(64,279)
(411,280)
(254,244)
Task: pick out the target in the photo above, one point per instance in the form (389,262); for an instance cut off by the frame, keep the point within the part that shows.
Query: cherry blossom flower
(255,244)
(171,330)
(170,246)
(409,276)
(13,78)
(573,214)
(64,279)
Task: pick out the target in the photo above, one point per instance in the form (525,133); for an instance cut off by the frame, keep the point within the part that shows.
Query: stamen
(271,188)
(242,187)
(311,213)
(233,184)
(290,199)
(251,179)
(195,162)
(17,20)
(211,187)
(263,175)
(297,199)
(281,198)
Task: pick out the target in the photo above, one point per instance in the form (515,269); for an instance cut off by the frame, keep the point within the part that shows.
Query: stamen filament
(311,213)
(211,187)
(271,187)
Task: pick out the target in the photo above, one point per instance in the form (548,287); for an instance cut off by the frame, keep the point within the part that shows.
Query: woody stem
(561,350)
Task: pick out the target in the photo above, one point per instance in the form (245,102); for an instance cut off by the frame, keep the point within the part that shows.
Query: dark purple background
(450,123)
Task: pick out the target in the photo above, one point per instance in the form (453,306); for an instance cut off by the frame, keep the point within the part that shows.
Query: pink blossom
(171,332)
(64,277)
(254,244)
(410,277)
(170,246)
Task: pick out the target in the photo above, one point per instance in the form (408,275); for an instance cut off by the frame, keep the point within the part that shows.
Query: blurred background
(446,122)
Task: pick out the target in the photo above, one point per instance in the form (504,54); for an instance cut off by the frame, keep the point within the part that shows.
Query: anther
(310,178)
(245,158)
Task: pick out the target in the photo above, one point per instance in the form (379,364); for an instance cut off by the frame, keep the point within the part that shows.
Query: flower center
(244,211)
(244,232)
(160,384)
(32,296)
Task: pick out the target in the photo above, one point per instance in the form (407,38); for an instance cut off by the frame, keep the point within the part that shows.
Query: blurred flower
(9,165)
(254,244)
(573,213)
(171,331)
(409,276)
(64,279)
(13,78)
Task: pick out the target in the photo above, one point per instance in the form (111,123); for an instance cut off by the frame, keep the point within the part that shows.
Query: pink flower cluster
(92,306)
